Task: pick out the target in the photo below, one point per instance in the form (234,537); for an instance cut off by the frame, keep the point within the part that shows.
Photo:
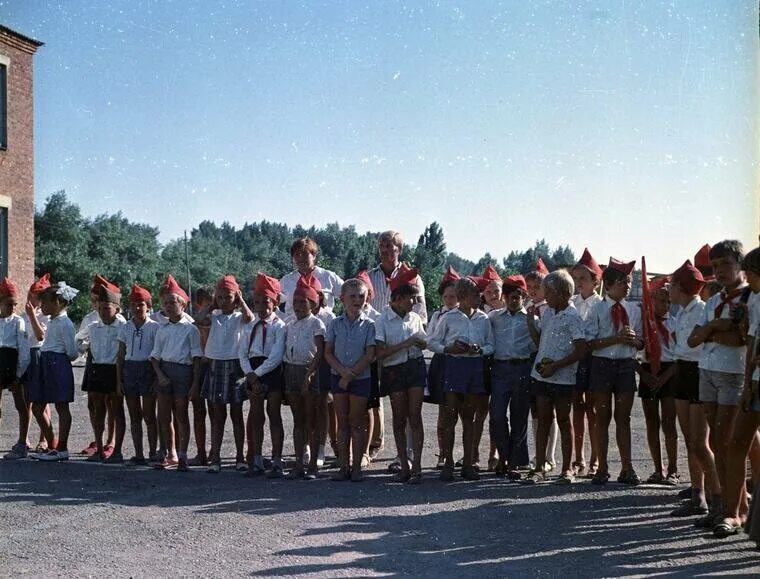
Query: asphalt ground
(78,518)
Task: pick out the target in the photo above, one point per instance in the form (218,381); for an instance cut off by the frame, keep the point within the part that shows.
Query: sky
(628,127)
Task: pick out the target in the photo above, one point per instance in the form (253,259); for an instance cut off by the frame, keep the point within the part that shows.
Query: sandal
(356,475)
(447,473)
(107,451)
(672,479)
(566,478)
(689,509)
(276,471)
(534,477)
(629,477)
(600,478)
(593,470)
(254,471)
(167,464)
(441,462)
(579,468)
(366,460)
(655,478)
(41,447)
(90,449)
(311,474)
(137,461)
(182,465)
(493,463)
(709,521)
(470,474)
(726,529)
(415,478)
(198,460)
(214,468)
(513,475)
(296,473)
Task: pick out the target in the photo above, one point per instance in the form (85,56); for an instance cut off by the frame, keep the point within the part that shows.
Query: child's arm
(384,351)
(319,342)
(155,359)
(578,353)
(22,345)
(722,331)
(363,363)
(34,324)
(120,356)
(70,343)
(244,309)
(275,356)
(533,329)
(487,347)
(196,388)
(334,363)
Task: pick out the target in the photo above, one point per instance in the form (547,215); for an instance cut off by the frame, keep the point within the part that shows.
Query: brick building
(16,157)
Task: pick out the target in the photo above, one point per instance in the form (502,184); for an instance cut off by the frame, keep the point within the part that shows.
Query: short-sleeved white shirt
(300,347)
(558,332)
(138,342)
(177,342)
(391,329)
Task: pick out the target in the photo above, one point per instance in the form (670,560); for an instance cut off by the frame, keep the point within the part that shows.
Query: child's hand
(626,336)
(119,388)
(29,309)
(306,384)
(252,383)
(722,325)
(458,348)
(548,370)
(347,374)
(343,383)
(474,349)
(745,401)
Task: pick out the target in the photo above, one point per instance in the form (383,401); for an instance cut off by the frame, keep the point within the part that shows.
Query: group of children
(547,345)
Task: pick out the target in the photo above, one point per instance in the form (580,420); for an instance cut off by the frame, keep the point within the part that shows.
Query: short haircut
(728,248)
(751,261)
(393,236)
(465,287)
(446,285)
(354,283)
(561,282)
(202,294)
(302,243)
(535,276)
(611,276)
(404,291)
(593,274)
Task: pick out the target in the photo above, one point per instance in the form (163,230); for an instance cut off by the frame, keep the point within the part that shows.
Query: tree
(429,257)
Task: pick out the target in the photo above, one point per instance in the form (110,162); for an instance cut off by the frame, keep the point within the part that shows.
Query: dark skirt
(8,365)
(56,379)
(224,382)
(31,378)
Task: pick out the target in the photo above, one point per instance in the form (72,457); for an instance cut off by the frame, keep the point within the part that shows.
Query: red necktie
(619,317)
(263,324)
(663,331)
(725,298)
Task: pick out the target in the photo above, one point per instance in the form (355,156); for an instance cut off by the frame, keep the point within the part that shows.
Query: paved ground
(84,519)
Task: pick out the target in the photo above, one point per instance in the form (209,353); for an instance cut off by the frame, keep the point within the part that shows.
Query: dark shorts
(667,390)
(686,381)
(553,391)
(294,376)
(325,382)
(101,378)
(180,379)
(373,400)
(360,387)
(138,378)
(464,375)
(223,382)
(401,377)
(31,378)
(613,376)
(434,392)
(583,374)
(271,381)
(8,364)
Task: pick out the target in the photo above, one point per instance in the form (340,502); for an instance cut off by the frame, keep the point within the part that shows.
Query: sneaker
(470,474)
(54,456)
(441,462)
(214,468)
(240,466)
(447,473)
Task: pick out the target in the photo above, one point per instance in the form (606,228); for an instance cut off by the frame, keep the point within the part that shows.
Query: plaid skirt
(224,382)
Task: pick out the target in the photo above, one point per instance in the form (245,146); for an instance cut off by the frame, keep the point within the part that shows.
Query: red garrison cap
(172,287)
(404,276)
(308,287)
(491,274)
(8,289)
(689,278)
(541,267)
(41,284)
(228,282)
(589,263)
(623,267)
(513,282)
(364,276)
(266,285)
(139,294)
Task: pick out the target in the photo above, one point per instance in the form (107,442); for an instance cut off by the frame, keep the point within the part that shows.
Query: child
(400,338)
(721,368)
(748,419)
(561,344)
(447,291)
(304,350)
(135,376)
(658,390)
(685,287)
(464,335)
(510,385)
(57,351)
(176,359)
(262,347)
(14,360)
(350,349)
(492,295)
(202,305)
(222,383)
(614,328)
(36,324)
(326,419)
(101,383)
(492,300)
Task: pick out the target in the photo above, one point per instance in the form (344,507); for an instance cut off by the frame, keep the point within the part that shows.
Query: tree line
(72,247)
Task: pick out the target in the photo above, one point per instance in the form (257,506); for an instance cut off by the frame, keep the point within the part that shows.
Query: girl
(135,375)
(614,326)
(326,419)
(222,384)
(586,275)
(350,349)
(304,350)
(57,351)
(14,359)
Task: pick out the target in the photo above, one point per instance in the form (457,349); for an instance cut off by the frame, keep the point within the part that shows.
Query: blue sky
(630,127)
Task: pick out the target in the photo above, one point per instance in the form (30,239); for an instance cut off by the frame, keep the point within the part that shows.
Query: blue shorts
(463,375)
(360,387)
(613,376)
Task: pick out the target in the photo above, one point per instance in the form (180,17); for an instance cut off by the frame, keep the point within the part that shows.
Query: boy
(176,359)
(492,295)
(400,338)
(614,329)
(510,383)
(561,344)
(464,334)
(350,349)
(101,383)
(721,367)
(262,346)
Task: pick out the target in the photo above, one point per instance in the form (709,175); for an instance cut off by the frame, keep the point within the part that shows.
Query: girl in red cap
(135,373)
(262,347)
(14,359)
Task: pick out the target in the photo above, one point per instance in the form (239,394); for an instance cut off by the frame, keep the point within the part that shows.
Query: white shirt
(300,347)
(59,337)
(138,342)
(371,312)
(718,357)
(434,317)
(273,349)
(558,332)
(599,325)
(584,306)
(455,326)
(224,335)
(391,329)
(177,342)
(667,350)
(83,335)
(13,335)
(382,296)
(162,319)
(326,316)
(42,320)
(511,335)
(686,319)
(329,280)
(104,341)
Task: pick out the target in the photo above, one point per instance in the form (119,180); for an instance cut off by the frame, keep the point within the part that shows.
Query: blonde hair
(561,282)
(393,236)
(354,283)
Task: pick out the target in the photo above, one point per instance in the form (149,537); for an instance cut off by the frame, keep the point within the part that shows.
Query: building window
(3,106)
(3,242)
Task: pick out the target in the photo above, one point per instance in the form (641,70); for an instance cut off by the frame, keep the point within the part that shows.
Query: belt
(514,361)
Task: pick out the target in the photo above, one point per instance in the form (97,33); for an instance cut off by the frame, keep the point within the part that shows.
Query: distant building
(16,157)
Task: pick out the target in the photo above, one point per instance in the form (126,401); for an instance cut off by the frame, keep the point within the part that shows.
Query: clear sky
(630,127)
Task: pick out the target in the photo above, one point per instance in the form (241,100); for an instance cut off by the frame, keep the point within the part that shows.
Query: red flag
(651,337)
